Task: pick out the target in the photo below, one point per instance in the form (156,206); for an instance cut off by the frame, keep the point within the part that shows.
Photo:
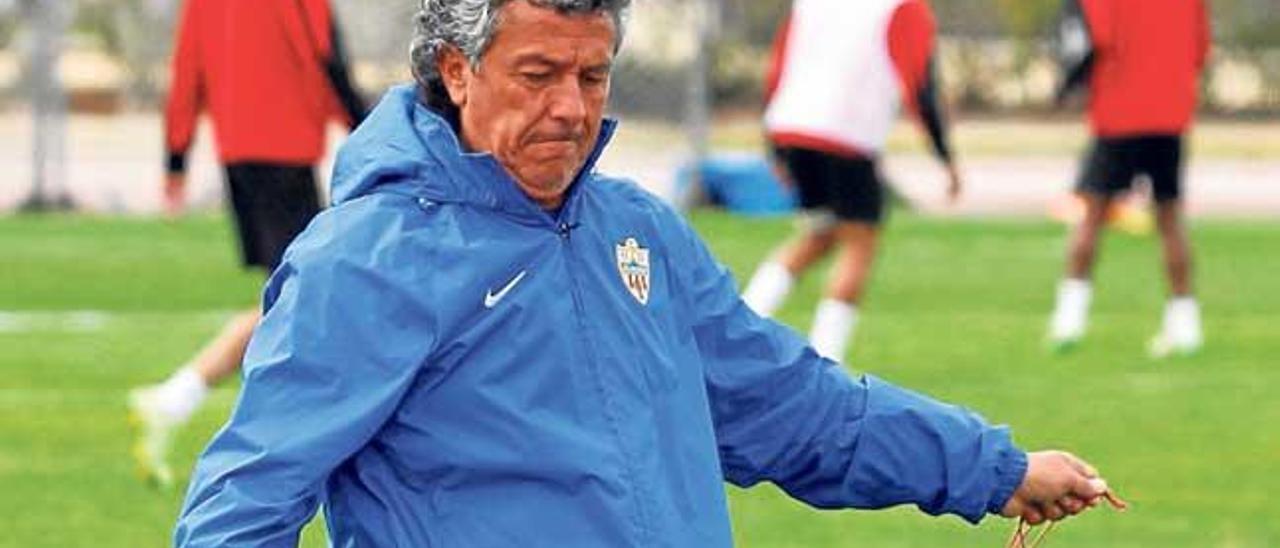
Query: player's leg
(836,318)
(775,277)
(1107,173)
(1075,291)
(221,357)
(181,394)
(1176,247)
(813,241)
(272,204)
(1082,247)
(858,202)
(1181,330)
(282,200)
(157,410)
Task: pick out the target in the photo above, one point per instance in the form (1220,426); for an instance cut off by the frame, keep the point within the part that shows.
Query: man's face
(537,98)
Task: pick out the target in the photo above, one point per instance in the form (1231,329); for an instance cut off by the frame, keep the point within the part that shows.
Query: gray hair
(469,26)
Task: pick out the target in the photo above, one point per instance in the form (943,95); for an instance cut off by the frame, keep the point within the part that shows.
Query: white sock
(1072,311)
(1182,322)
(833,325)
(181,394)
(768,288)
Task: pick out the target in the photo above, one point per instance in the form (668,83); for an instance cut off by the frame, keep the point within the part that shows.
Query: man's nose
(568,104)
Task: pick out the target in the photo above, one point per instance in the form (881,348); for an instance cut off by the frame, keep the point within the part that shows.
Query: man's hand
(174,200)
(955,184)
(1057,485)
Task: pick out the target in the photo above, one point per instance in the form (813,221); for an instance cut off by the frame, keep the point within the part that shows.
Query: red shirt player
(841,69)
(271,73)
(1141,61)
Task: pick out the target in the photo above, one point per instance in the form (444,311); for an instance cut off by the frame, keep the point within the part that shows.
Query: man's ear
(455,72)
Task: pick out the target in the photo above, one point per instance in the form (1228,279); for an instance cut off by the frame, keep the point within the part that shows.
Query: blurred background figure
(270,74)
(49,21)
(1141,61)
(134,24)
(839,73)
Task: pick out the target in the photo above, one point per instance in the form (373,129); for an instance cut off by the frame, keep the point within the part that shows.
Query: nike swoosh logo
(492,299)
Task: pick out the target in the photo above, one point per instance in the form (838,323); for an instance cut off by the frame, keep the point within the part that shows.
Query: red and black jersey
(1145,63)
(271,73)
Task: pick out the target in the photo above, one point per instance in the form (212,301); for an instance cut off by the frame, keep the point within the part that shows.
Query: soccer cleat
(1069,321)
(152,431)
(1065,332)
(1180,334)
(1164,346)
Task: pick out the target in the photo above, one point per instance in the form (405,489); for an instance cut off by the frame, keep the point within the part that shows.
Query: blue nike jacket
(443,363)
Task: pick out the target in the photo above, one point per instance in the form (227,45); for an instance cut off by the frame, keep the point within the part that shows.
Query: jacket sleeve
(186,93)
(337,350)
(783,414)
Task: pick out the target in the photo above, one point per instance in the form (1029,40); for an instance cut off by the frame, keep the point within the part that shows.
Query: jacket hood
(404,147)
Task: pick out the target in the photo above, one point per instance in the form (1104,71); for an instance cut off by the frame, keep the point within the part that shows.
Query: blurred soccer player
(839,73)
(1142,61)
(271,74)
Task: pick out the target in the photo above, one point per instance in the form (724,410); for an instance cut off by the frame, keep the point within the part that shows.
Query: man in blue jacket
(486,343)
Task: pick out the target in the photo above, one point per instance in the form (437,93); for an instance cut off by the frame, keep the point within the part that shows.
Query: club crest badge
(633,266)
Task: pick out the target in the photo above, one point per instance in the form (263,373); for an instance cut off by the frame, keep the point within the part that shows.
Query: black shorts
(848,187)
(272,204)
(1113,163)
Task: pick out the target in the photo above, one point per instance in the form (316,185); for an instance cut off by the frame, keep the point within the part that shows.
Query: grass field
(957,310)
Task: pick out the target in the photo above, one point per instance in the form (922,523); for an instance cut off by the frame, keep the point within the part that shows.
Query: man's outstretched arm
(783,414)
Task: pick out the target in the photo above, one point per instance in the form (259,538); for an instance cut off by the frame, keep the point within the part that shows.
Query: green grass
(957,310)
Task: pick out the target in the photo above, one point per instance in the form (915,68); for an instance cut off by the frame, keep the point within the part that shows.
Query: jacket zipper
(565,231)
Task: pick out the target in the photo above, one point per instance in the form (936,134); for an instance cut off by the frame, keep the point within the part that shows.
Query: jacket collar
(478,177)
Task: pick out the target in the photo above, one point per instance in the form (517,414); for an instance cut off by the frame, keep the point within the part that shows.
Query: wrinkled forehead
(564,18)
(530,34)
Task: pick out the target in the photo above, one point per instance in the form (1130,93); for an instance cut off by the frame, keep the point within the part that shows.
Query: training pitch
(91,307)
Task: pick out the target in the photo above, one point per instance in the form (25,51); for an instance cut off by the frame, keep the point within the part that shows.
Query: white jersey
(838,83)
